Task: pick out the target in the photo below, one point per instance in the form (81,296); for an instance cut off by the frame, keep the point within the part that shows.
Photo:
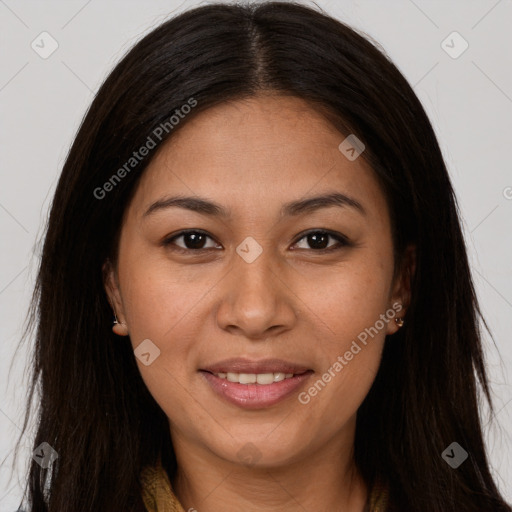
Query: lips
(265,382)
(242,365)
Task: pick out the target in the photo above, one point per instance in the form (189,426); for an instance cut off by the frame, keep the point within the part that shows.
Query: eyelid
(342,240)
(168,240)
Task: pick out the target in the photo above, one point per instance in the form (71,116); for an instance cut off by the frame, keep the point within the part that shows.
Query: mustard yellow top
(158,496)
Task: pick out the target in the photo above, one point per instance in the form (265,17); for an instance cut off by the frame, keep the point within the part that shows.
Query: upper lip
(243,365)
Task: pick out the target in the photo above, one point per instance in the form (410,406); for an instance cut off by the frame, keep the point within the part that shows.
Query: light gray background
(468,99)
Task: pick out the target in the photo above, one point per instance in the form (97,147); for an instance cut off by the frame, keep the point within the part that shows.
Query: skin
(294,302)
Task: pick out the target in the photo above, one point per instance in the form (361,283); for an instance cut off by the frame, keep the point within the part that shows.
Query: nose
(256,300)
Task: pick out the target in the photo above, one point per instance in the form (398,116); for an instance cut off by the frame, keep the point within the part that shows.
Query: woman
(257,198)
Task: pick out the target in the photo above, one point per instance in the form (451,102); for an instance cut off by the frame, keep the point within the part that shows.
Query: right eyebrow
(192,203)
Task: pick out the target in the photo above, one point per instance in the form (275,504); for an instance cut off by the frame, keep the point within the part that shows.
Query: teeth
(254,378)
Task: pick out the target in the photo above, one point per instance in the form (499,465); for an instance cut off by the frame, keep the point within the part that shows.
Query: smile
(255,378)
(254,390)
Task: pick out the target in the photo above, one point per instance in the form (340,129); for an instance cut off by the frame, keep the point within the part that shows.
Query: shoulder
(157,493)
(379,497)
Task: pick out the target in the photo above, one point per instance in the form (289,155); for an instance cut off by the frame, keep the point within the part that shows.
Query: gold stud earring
(399,321)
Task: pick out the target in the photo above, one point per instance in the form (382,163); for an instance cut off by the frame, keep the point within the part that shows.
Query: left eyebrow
(310,204)
(292,208)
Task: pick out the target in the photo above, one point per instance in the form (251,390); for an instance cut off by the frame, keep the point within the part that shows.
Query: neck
(316,482)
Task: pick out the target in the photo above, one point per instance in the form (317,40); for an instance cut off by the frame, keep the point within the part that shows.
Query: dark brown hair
(95,409)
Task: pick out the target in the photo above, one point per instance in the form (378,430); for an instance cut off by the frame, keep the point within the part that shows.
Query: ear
(402,287)
(111,284)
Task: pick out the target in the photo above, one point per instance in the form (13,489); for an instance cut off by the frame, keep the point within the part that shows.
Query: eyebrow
(293,208)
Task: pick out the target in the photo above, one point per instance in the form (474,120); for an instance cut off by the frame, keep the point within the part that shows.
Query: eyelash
(342,240)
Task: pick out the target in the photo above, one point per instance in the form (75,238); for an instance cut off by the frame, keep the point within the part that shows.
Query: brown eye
(319,240)
(191,240)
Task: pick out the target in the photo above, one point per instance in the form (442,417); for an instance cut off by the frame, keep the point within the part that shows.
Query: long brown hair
(95,410)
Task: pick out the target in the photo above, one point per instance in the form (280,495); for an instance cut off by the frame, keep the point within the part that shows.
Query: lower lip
(255,396)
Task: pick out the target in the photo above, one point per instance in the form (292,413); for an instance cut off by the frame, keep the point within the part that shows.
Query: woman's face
(259,283)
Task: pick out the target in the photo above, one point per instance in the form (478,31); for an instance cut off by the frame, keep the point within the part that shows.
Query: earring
(119,328)
(399,321)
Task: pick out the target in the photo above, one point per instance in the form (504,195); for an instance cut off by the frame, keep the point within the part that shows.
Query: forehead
(265,149)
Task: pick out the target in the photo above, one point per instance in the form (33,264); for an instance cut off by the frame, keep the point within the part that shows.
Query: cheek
(160,304)
(351,300)
(350,351)
(351,313)
(166,312)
